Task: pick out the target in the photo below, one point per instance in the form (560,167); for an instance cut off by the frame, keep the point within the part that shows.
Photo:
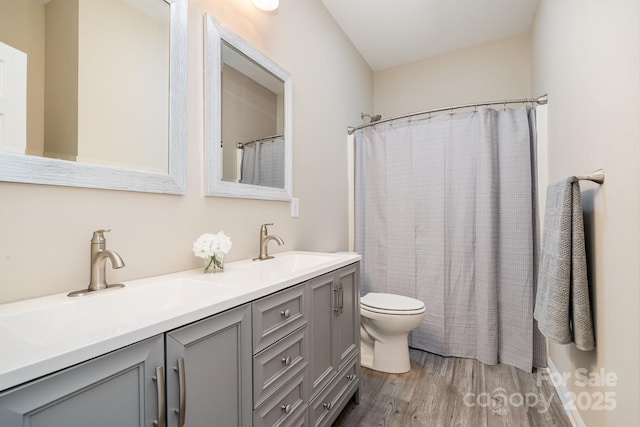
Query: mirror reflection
(248,119)
(86,81)
(252,121)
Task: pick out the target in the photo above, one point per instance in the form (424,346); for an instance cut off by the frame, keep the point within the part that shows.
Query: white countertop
(43,335)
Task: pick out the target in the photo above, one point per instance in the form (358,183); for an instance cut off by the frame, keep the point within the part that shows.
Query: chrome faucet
(99,255)
(264,240)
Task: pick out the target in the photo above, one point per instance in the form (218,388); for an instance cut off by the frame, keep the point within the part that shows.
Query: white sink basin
(117,310)
(297,261)
(289,262)
(288,266)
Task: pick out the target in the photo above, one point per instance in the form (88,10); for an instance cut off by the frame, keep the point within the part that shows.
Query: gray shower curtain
(263,163)
(446,212)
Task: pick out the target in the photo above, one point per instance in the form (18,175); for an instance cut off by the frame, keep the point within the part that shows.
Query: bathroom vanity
(264,343)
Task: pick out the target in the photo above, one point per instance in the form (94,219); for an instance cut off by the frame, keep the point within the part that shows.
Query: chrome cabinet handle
(351,377)
(286,361)
(327,406)
(286,408)
(159,379)
(336,306)
(286,313)
(182,381)
(339,298)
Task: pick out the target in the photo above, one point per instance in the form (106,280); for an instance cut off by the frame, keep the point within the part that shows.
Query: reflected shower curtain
(446,212)
(263,163)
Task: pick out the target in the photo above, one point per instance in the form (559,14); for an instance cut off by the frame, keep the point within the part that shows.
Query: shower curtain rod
(541,100)
(242,144)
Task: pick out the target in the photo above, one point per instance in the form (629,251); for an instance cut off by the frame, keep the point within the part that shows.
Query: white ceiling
(393,32)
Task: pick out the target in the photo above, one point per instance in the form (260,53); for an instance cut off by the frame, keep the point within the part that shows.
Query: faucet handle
(98,235)
(263,228)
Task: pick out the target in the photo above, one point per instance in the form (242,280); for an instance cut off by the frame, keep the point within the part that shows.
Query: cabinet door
(347,329)
(117,389)
(209,371)
(323,363)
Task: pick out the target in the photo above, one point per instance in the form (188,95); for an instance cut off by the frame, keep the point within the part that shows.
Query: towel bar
(597,176)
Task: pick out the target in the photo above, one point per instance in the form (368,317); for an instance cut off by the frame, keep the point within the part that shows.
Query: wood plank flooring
(448,391)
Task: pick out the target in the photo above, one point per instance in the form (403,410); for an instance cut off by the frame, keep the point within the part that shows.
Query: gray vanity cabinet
(288,359)
(334,340)
(209,371)
(207,382)
(117,389)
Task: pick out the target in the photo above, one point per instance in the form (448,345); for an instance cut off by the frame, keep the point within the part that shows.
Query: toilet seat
(391,304)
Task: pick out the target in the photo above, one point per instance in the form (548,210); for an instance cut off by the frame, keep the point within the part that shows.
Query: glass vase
(214,264)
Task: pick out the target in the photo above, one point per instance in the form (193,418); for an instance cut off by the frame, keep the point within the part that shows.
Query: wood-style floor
(448,391)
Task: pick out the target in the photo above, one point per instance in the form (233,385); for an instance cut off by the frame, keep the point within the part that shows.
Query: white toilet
(385,322)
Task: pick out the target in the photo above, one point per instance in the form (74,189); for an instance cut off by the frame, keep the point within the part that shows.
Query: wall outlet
(295,207)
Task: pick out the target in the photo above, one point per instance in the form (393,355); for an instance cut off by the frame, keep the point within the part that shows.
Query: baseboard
(561,388)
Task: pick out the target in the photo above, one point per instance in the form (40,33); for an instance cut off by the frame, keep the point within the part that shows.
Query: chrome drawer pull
(351,377)
(286,361)
(286,409)
(286,313)
(327,406)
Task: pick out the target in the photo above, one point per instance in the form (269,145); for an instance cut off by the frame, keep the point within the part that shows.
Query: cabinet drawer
(300,420)
(285,406)
(326,407)
(277,364)
(277,315)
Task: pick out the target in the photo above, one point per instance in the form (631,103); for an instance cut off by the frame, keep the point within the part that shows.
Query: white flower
(209,245)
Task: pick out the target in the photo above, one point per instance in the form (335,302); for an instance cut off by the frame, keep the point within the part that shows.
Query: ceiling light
(267,5)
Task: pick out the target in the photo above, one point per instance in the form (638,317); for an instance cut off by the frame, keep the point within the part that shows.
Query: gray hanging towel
(563,309)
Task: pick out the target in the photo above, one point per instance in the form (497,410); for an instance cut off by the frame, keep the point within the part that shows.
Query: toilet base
(390,356)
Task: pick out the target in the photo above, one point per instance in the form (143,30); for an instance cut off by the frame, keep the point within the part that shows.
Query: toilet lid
(391,302)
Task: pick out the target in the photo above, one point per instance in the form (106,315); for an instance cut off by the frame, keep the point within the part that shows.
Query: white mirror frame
(215,186)
(41,170)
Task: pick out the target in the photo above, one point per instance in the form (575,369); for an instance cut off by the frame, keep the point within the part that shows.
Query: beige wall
(22,27)
(497,70)
(585,55)
(45,230)
(143,31)
(61,79)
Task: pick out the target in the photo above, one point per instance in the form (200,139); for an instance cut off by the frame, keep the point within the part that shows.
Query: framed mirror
(94,93)
(247,119)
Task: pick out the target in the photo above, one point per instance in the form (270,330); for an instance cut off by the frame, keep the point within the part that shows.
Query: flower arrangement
(212,248)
